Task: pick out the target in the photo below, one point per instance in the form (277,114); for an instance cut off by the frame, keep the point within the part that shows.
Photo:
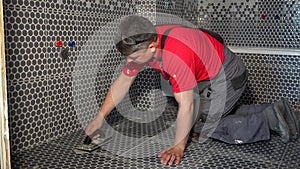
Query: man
(206,79)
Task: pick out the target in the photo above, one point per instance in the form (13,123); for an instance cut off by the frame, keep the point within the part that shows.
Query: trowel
(90,145)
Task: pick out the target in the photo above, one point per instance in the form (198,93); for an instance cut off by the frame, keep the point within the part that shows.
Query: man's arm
(185,102)
(183,127)
(115,95)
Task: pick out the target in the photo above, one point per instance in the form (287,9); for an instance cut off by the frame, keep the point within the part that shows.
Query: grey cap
(134,25)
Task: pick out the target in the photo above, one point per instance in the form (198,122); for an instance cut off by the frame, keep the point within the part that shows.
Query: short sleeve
(179,63)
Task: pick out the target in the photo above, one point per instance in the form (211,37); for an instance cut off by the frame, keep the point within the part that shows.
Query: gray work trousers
(229,122)
(219,116)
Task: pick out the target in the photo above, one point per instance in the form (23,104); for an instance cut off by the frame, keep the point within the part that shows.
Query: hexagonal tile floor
(136,145)
(271,154)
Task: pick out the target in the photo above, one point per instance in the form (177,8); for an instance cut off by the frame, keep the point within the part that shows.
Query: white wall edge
(268,51)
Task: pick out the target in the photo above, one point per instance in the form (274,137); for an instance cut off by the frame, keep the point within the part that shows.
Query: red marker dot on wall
(263,17)
(59,43)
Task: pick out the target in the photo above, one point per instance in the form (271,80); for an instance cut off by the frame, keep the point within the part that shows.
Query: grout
(283,155)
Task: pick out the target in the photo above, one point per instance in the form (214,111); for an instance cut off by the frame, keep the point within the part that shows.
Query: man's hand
(183,127)
(171,155)
(94,125)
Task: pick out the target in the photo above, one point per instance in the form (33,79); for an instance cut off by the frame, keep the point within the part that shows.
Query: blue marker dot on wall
(72,43)
(277,17)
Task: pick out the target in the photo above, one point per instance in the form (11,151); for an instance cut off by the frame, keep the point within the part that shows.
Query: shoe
(291,119)
(196,139)
(282,127)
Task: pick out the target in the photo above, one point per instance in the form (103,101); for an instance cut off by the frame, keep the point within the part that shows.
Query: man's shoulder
(166,26)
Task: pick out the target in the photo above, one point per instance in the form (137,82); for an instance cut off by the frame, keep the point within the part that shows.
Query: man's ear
(152,46)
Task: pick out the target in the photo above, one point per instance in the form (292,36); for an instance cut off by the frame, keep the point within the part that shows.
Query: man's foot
(197,139)
(283,107)
(281,127)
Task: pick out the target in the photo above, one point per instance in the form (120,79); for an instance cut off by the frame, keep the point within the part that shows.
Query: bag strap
(163,39)
(213,34)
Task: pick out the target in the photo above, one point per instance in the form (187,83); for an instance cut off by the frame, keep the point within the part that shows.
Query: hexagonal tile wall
(52,96)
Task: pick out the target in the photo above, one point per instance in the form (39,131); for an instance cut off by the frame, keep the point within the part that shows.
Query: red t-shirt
(189,56)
